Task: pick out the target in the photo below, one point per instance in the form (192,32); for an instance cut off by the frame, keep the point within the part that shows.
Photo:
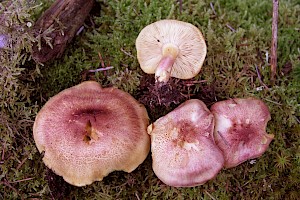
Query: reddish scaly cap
(87,132)
(240,129)
(183,151)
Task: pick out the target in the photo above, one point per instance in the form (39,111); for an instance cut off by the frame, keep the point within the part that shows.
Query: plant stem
(274,40)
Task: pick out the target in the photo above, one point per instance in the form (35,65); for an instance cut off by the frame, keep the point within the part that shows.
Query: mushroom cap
(240,129)
(191,45)
(87,131)
(183,150)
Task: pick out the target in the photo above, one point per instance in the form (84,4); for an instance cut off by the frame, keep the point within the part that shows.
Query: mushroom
(183,150)
(240,129)
(87,131)
(171,48)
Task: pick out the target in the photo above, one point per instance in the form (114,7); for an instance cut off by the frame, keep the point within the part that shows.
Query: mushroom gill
(171,48)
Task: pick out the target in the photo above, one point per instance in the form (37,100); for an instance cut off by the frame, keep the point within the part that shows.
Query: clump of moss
(127,80)
(19,170)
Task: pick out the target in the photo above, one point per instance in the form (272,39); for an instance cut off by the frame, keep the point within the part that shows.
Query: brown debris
(59,189)
(65,17)
(160,97)
(274,40)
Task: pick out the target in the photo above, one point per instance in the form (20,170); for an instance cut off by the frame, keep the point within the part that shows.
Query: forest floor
(237,65)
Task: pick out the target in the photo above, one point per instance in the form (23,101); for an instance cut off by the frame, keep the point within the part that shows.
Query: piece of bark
(64,17)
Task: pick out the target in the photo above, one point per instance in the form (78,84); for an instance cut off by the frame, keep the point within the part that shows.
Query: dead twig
(180,5)
(20,165)
(3,152)
(137,196)
(274,40)
(296,118)
(128,54)
(80,30)
(100,69)
(279,104)
(101,60)
(22,180)
(213,198)
(212,7)
(191,83)
(259,78)
(230,27)
(2,156)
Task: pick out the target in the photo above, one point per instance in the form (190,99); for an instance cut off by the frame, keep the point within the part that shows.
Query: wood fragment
(180,5)
(22,180)
(296,118)
(230,27)
(208,194)
(212,7)
(274,40)
(3,152)
(64,18)
(259,78)
(101,60)
(100,69)
(279,104)
(137,196)
(20,165)
(127,53)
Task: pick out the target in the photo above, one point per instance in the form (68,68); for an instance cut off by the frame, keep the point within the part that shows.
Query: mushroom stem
(163,71)
(164,68)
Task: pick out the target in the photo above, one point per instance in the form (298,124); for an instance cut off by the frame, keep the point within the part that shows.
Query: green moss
(238,36)
(20,171)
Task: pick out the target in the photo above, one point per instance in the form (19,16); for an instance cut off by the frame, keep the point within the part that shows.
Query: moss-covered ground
(238,36)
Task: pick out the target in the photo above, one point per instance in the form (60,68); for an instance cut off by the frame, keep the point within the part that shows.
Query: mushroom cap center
(170,50)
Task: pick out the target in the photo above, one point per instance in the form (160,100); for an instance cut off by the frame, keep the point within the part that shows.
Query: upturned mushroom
(87,131)
(240,129)
(171,48)
(183,150)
